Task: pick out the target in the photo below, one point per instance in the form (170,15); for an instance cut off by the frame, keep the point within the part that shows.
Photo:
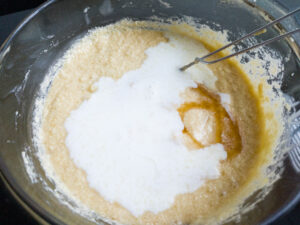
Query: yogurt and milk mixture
(140,142)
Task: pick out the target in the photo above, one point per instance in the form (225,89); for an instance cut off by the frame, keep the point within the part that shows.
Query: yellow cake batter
(243,136)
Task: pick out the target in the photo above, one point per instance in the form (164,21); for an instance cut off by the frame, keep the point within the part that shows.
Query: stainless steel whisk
(255,32)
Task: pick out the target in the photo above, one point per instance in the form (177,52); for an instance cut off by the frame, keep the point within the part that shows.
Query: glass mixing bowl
(43,37)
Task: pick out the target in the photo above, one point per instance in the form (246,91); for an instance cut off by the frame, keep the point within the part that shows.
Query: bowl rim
(13,187)
(32,206)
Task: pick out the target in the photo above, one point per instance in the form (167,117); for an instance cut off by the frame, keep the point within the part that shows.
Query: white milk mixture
(127,136)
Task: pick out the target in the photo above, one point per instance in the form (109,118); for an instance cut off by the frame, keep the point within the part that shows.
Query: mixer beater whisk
(253,33)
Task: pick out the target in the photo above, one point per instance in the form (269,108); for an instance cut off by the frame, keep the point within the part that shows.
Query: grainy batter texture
(112,51)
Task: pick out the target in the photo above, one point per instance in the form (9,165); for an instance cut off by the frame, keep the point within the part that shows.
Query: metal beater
(253,33)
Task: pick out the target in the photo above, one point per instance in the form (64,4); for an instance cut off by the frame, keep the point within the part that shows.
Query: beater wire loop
(253,33)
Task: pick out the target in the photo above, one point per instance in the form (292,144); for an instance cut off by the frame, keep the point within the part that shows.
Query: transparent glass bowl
(55,24)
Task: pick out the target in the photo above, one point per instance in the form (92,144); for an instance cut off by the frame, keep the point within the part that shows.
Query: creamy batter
(219,108)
